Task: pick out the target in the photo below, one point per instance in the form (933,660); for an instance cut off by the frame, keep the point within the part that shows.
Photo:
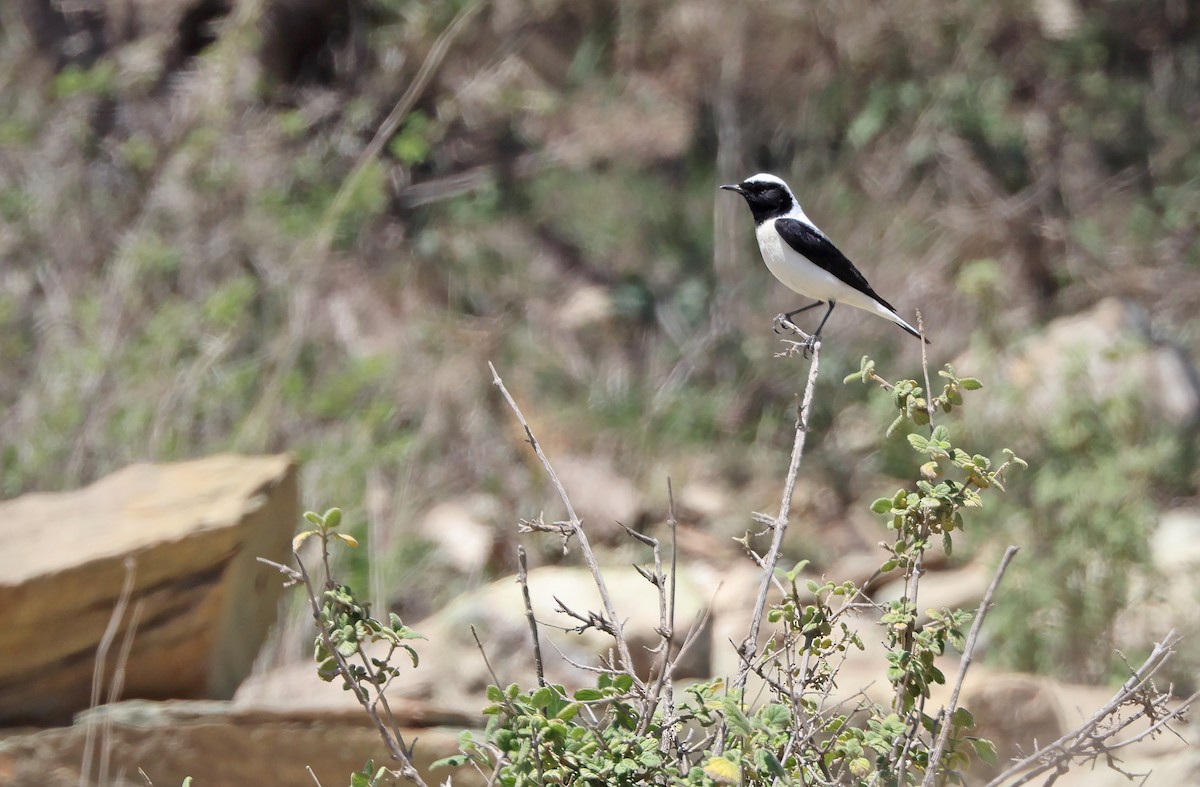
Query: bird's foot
(805,347)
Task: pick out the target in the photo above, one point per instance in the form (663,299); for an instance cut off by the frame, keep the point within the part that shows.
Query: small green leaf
(970,383)
(651,759)
(765,760)
(962,718)
(333,517)
(495,694)
(735,719)
(314,518)
(774,716)
(588,695)
(984,750)
(882,505)
(454,761)
(542,697)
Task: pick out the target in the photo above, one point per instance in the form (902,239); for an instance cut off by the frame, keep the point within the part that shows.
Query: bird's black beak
(733,187)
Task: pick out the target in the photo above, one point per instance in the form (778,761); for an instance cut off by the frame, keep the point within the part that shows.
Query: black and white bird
(803,257)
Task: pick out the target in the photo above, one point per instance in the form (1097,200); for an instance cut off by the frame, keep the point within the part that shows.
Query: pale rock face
(602,497)
(461,532)
(1107,344)
(193,531)
(221,743)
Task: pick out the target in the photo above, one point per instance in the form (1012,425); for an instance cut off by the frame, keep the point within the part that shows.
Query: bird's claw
(780,322)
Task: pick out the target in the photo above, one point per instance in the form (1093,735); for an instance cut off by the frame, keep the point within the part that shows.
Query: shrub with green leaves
(631,729)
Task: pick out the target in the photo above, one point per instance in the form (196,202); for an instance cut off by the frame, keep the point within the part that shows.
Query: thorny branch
(965,664)
(573,521)
(1093,739)
(523,578)
(779,526)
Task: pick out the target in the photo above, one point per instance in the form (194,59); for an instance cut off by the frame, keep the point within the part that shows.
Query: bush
(632,729)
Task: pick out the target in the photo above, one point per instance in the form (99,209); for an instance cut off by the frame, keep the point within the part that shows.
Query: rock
(1015,712)
(1175,545)
(193,530)
(1167,600)
(601,496)
(217,743)
(1020,712)
(1107,344)
(452,669)
(461,532)
(1058,19)
(587,306)
(708,497)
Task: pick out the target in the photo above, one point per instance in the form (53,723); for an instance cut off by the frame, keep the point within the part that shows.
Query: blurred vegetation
(548,204)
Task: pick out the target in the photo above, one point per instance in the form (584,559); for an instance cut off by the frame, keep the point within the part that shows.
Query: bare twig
(523,578)
(486,661)
(663,690)
(576,525)
(925,369)
(749,645)
(1089,741)
(965,664)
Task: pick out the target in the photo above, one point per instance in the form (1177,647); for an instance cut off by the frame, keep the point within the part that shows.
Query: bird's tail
(896,318)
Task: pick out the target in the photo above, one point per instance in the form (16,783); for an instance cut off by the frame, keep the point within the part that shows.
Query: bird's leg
(828,312)
(794,312)
(811,343)
(787,317)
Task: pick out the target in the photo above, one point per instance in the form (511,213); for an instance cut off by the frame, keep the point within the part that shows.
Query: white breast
(794,270)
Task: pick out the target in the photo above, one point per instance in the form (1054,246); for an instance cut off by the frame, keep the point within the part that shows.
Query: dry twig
(609,617)
(1092,740)
(965,664)
(779,526)
(523,578)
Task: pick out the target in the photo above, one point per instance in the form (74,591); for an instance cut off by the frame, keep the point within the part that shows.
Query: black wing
(821,252)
